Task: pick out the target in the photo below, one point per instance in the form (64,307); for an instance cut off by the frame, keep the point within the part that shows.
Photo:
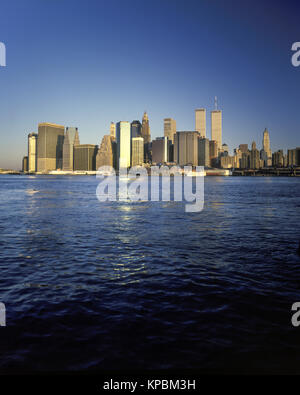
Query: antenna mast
(216,103)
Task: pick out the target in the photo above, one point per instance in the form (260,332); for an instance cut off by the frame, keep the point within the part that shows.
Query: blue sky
(87,63)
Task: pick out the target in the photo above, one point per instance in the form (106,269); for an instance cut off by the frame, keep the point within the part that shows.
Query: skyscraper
(160,150)
(106,153)
(254,157)
(71,139)
(186,148)
(136,129)
(32,152)
(137,150)
(25,163)
(49,146)
(146,129)
(216,127)
(169,128)
(123,144)
(200,121)
(113,129)
(85,157)
(203,152)
(266,153)
(213,153)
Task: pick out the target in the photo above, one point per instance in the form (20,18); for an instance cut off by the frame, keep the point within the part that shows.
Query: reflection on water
(145,285)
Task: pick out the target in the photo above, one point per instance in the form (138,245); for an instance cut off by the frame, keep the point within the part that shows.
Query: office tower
(170,152)
(136,129)
(25,164)
(113,129)
(293,157)
(146,129)
(298,156)
(226,162)
(71,139)
(106,154)
(254,157)
(213,153)
(278,159)
(50,146)
(245,160)
(85,157)
(266,153)
(200,121)
(137,150)
(237,158)
(203,152)
(123,144)
(216,127)
(32,152)
(147,138)
(160,150)
(169,128)
(244,148)
(186,148)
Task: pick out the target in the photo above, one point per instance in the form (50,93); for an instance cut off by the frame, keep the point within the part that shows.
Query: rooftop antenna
(216,103)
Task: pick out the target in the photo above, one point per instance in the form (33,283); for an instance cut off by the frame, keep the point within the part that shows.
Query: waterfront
(93,286)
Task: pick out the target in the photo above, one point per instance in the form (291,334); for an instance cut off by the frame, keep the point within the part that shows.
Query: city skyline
(248,68)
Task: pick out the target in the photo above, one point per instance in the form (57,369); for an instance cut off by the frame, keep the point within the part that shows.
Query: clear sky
(87,63)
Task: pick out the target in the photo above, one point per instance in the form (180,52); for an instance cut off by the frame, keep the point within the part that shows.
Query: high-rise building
(169,128)
(278,159)
(254,157)
(106,154)
(25,164)
(71,139)
(32,152)
(291,157)
(245,160)
(137,150)
(244,148)
(146,129)
(136,129)
(85,157)
(200,121)
(50,146)
(147,138)
(186,148)
(203,152)
(213,153)
(160,150)
(123,144)
(237,158)
(113,129)
(216,127)
(266,153)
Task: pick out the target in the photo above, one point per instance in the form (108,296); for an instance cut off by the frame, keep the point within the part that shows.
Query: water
(92,286)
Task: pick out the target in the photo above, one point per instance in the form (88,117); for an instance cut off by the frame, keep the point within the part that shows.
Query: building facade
(216,127)
(106,155)
(137,151)
(200,121)
(169,128)
(266,153)
(203,152)
(113,130)
(32,152)
(186,148)
(85,157)
(160,150)
(136,129)
(71,139)
(50,146)
(123,144)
